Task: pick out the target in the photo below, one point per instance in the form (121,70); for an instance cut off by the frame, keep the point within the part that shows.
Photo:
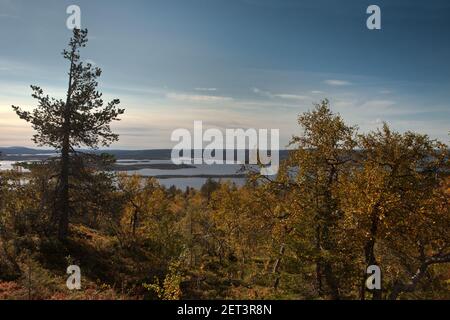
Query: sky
(235,63)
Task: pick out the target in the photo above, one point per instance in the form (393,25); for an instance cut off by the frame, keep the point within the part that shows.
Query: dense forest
(342,201)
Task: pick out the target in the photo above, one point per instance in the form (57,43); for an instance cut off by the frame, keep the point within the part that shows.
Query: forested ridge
(342,201)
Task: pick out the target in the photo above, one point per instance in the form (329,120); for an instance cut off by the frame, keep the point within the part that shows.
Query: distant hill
(24,153)
(23,150)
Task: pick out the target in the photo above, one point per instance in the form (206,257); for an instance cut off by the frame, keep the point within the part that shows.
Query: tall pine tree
(82,120)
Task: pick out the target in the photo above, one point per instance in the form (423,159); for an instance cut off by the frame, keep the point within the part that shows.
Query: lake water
(188,181)
(182,178)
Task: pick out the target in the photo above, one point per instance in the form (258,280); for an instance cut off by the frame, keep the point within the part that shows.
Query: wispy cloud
(196,97)
(205,89)
(10,67)
(287,96)
(291,96)
(259,91)
(11,16)
(7,7)
(334,82)
(368,107)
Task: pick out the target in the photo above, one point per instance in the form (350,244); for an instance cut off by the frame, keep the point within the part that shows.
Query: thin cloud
(334,82)
(11,16)
(257,91)
(196,98)
(205,89)
(291,96)
(287,96)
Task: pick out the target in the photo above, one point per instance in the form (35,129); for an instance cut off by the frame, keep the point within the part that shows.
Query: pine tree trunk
(276,267)
(64,206)
(63,227)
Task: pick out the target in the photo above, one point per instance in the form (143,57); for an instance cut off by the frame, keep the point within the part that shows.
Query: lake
(193,177)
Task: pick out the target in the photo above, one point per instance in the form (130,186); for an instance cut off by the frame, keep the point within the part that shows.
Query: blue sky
(235,63)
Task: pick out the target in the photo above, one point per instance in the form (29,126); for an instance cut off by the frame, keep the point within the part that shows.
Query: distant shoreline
(22,153)
(159,166)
